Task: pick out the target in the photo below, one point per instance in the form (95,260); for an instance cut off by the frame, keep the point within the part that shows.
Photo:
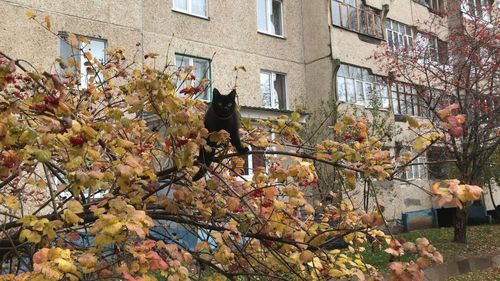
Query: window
(356,85)
(273,89)
(270,16)
(432,48)
(193,7)
(93,45)
(417,170)
(201,72)
(399,35)
(479,9)
(434,5)
(406,101)
(355,16)
(252,162)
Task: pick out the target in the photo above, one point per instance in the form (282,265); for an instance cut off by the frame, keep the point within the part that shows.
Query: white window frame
(190,62)
(269,7)
(249,159)
(274,93)
(381,89)
(405,40)
(417,169)
(249,163)
(189,10)
(79,56)
(430,44)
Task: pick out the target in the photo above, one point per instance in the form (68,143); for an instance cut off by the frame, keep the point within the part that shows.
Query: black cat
(221,115)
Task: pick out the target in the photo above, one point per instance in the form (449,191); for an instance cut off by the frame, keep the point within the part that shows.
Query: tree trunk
(460,231)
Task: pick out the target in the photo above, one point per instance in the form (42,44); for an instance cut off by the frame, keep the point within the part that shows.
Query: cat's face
(224,106)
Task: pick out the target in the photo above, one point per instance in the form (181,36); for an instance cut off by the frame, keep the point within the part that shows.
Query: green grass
(481,240)
(492,274)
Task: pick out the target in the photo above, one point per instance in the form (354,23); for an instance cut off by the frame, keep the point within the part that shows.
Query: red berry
(347,136)
(267,204)
(51,99)
(8,164)
(182,141)
(77,140)
(257,193)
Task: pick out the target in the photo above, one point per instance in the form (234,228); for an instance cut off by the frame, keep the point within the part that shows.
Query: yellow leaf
(70,217)
(71,62)
(11,202)
(306,256)
(47,22)
(83,39)
(73,42)
(74,206)
(420,143)
(412,122)
(30,236)
(30,14)
(64,265)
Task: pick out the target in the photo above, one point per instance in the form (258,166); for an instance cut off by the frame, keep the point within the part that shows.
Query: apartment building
(295,52)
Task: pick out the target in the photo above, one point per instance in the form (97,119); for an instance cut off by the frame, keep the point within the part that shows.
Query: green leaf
(43,155)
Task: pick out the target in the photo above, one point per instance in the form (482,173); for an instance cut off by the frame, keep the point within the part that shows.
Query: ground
(493,274)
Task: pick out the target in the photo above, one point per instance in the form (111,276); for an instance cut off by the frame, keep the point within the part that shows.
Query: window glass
(198,7)
(351,92)
(276,17)
(355,16)
(418,169)
(360,95)
(355,85)
(195,7)
(201,72)
(336,11)
(269,16)
(280,90)
(399,35)
(265,88)
(97,47)
(341,89)
(180,4)
(273,89)
(261,15)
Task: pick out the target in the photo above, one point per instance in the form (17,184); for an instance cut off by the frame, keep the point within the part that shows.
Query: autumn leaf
(47,22)
(412,121)
(73,42)
(30,15)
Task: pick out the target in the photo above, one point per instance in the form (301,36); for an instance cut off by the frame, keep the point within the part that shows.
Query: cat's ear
(216,93)
(232,94)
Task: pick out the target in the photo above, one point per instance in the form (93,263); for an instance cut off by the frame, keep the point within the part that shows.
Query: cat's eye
(230,104)
(219,103)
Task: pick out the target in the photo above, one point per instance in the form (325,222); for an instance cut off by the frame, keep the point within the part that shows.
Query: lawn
(481,239)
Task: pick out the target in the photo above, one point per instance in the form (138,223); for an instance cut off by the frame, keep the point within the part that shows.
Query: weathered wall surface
(229,33)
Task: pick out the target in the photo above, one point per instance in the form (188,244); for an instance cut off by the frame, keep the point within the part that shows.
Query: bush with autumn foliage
(91,191)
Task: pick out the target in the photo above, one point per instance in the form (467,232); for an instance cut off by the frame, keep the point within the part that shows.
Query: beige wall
(230,33)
